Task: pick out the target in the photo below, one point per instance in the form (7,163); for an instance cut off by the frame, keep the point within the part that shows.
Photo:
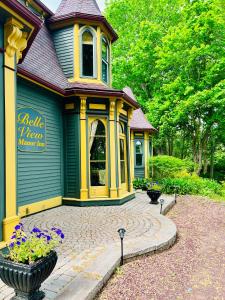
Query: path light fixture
(162,201)
(121,232)
(176,192)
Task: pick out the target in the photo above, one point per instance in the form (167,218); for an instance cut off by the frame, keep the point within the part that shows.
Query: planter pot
(154,196)
(26,280)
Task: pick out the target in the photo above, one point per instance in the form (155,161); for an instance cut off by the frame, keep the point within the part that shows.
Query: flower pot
(25,279)
(154,196)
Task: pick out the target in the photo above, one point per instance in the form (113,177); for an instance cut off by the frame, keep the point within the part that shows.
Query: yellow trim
(76,53)
(146,140)
(113,189)
(39,84)
(69,106)
(86,80)
(110,63)
(97,106)
(139,134)
(99,54)
(119,107)
(83,149)
(132,156)
(9,224)
(39,206)
(124,186)
(12,12)
(123,112)
(98,191)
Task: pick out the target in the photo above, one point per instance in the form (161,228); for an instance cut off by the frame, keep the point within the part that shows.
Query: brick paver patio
(91,239)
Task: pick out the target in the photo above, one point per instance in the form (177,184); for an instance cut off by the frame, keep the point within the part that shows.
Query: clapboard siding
(64,45)
(40,175)
(139,172)
(2,142)
(72,155)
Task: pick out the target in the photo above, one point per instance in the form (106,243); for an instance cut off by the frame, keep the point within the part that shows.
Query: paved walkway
(91,250)
(193,269)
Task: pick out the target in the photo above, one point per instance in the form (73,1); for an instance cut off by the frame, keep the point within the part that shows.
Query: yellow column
(110,64)
(99,54)
(146,140)
(15,43)
(119,107)
(83,149)
(131,158)
(113,189)
(76,52)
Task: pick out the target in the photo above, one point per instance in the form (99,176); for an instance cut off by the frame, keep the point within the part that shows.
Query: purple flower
(18,243)
(48,237)
(23,240)
(35,230)
(62,236)
(58,231)
(11,245)
(13,236)
(17,227)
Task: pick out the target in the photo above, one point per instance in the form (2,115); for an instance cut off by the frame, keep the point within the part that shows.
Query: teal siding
(72,155)
(64,45)
(2,135)
(40,175)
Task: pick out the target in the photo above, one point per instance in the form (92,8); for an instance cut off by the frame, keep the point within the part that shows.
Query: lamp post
(161,203)
(176,189)
(121,232)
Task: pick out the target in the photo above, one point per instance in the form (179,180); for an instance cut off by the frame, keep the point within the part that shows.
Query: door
(98,157)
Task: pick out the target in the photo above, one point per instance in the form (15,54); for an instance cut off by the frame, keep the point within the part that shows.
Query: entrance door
(123,159)
(98,157)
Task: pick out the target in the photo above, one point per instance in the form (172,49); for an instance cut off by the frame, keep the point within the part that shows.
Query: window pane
(88,69)
(139,159)
(97,148)
(121,149)
(104,50)
(122,168)
(104,71)
(139,147)
(98,174)
(87,37)
(100,129)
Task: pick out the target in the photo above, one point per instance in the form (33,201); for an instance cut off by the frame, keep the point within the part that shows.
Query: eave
(73,17)
(77,91)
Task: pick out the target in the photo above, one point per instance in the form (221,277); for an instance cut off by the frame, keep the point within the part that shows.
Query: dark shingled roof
(140,122)
(78,6)
(129,92)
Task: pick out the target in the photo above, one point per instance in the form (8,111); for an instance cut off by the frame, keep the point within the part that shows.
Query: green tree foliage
(172,53)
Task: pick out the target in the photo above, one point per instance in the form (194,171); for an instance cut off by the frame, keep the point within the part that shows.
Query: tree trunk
(212,159)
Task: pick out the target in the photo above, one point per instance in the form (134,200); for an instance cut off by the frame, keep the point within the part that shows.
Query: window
(88,52)
(97,146)
(122,161)
(105,60)
(139,153)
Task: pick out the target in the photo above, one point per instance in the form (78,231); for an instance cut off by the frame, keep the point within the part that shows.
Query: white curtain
(94,126)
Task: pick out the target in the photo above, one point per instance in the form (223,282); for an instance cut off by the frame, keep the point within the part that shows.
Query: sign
(30,130)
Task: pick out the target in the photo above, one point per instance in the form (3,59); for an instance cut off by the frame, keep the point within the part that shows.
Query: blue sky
(53,4)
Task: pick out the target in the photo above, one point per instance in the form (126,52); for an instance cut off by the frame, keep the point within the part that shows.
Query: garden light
(161,203)
(176,190)
(121,232)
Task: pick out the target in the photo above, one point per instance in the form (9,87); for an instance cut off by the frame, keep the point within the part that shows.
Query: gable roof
(140,122)
(78,6)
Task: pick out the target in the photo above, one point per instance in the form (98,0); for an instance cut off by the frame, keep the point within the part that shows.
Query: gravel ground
(194,268)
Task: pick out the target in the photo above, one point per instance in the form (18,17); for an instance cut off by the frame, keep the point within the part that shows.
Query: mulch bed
(194,268)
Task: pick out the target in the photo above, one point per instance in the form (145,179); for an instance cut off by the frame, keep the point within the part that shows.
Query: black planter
(26,280)
(154,196)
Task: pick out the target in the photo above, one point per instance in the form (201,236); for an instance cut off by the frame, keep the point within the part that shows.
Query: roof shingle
(67,7)
(139,121)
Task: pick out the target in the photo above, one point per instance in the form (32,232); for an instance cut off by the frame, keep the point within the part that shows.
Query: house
(66,135)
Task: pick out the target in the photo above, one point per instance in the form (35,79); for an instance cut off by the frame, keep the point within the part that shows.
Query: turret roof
(68,7)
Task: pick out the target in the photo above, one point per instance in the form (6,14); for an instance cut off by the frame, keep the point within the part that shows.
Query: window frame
(143,157)
(103,60)
(93,32)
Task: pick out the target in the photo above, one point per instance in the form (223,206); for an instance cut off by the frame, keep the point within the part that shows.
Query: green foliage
(141,183)
(192,185)
(168,166)
(27,249)
(172,54)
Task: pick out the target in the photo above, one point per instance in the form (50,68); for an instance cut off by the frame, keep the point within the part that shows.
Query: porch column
(14,43)
(146,143)
(112,133)
(83,149)
(130,153)
(119,107)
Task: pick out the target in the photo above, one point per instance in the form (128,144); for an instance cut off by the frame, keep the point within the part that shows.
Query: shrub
(169,167)
(141,183)
(191,185)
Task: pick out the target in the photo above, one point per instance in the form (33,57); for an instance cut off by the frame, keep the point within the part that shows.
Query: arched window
(88,52)
(139,154)
(97,148)
(105,60)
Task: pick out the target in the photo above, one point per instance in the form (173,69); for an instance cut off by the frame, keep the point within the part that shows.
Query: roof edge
(44,7)
(76,15)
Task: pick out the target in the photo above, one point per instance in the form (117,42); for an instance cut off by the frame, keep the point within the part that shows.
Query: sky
(53,4)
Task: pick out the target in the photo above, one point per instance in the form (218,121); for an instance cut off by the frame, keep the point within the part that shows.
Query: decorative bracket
(16,39)
(112,109)
(83,107)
